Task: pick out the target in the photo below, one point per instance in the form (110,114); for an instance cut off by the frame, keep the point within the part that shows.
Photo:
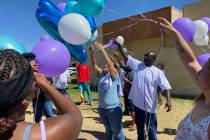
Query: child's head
(16,79)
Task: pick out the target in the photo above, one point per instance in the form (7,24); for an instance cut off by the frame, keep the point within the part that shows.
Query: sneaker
(90,103)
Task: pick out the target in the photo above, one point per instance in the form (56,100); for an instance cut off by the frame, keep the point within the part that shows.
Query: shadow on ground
(97,119)
(168,131)
(96,134)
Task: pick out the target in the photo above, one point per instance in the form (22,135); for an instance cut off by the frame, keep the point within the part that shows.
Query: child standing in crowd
(42,103)
(127,79)
(62,81)
(110,110)
(83,73)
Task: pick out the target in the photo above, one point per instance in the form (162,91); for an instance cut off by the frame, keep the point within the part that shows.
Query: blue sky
(17,17)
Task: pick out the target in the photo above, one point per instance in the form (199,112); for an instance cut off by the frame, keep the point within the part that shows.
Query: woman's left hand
(98,45)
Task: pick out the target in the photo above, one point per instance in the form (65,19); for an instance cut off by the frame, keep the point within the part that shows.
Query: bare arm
(125,56)
(184,51)
(128,81)
(65,126)
(118,59)
(111,67)
(97,69)
(168,100)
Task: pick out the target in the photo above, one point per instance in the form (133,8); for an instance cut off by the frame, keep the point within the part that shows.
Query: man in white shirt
(62,81)
(143,93)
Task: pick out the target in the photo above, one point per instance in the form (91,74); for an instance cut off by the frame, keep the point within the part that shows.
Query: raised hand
(91,49)
(40,80)
(167,26)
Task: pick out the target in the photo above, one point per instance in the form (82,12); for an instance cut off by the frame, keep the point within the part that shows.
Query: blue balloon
(72,7)
(49,16)
(78,49)
(91,7)
(7,42)
(92,23)
(50,7)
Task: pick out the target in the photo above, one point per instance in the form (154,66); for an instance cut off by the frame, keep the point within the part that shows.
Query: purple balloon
(110,44)
(61,6)
(44,37)
(186,27)
(203,58)
(207,20)
(52,56)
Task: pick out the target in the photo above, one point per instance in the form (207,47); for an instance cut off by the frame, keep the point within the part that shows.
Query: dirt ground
(167,122)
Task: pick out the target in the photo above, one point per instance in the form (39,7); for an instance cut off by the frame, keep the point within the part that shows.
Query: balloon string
(139,20)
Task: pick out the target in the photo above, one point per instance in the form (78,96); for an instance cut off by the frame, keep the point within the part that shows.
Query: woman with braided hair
(17,81)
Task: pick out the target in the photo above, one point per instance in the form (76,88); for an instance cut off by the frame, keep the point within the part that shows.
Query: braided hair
(11,64)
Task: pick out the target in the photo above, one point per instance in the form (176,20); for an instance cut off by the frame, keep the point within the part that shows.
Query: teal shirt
(108,91)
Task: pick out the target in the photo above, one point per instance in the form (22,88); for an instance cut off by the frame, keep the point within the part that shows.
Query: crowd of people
(141,82)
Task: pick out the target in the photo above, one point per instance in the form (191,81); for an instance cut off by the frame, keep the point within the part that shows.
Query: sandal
(132,128)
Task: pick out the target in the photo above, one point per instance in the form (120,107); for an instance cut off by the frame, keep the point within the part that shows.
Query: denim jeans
(112,120)
(151,120)
(63,91)
(41,107)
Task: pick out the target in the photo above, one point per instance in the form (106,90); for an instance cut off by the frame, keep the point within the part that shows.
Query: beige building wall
(197,10)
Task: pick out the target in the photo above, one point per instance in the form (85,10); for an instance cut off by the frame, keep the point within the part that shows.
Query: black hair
(29,56)
(12,63)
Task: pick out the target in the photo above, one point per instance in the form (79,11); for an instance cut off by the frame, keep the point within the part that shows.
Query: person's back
(16,82)
(145,82)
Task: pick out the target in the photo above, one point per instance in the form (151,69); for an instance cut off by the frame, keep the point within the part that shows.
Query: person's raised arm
(184,51)
(65,126)
(111,67)
(116,54)
(97,69)
(125,55)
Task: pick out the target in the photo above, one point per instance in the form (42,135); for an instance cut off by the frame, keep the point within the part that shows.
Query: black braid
(11,61)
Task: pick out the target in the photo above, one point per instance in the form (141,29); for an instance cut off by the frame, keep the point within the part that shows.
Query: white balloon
(201,29)
(201,41)
(75,29)
(125,50)
(95,35)
(120,40)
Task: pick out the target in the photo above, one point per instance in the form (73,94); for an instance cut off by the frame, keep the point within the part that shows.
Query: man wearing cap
(143,93)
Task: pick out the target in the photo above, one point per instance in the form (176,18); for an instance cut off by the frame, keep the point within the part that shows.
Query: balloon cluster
(196,31)
(71,23)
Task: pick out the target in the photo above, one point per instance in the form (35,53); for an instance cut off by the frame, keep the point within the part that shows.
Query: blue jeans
(63,91)
(112,120)
(41,107)
(151,124)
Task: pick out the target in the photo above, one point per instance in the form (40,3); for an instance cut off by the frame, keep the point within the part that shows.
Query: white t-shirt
(61,81)
(146,80)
